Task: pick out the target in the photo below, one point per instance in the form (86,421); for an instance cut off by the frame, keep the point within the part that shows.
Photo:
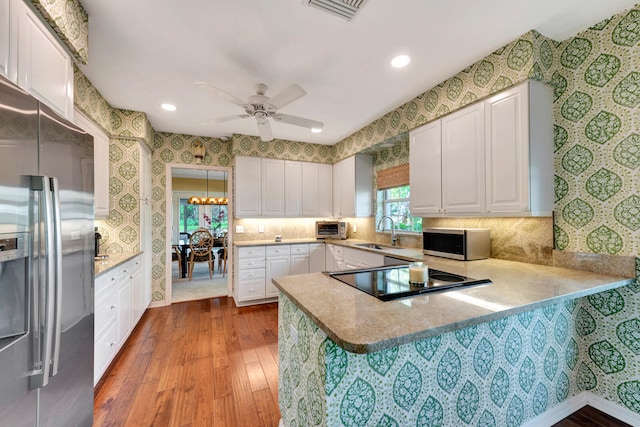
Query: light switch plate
(261,228)
(239,229)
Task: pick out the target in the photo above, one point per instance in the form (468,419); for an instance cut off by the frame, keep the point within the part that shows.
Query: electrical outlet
(354,228)
(261,228)
(239,229)
(294,334)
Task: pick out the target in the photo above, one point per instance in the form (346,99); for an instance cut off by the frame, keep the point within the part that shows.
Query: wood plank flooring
(198,363)
(209,363)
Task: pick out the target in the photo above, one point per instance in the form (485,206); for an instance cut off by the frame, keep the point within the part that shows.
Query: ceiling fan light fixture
(400,61)
(316,130)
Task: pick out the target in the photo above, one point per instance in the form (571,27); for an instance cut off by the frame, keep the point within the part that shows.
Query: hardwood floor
(199,363)
(209,363)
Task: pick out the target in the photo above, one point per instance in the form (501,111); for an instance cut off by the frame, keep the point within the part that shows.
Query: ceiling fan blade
(224,119)
(264,129)
(297,121)
(220,93)
(287,96)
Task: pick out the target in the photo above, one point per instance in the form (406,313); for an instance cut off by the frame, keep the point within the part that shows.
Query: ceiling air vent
(345,9)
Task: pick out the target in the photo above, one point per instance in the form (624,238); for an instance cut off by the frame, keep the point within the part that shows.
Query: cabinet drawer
(249,263)
(251,290)
(251,274)
(105,309)
(251,252)
(299,249)
(105,348)
(278,250)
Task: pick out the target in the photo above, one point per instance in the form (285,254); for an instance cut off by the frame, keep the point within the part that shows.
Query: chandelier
(196,200)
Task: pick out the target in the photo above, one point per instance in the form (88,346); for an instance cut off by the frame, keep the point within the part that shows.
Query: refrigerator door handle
(41,376)
(57,257)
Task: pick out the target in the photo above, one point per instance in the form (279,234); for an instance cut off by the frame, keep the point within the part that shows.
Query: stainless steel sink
(374,246)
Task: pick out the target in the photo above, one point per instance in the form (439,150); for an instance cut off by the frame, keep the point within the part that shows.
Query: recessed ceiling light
(400,61)
(168,107)
(316,130)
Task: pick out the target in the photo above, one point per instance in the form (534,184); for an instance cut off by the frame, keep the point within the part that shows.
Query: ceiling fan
(263,107)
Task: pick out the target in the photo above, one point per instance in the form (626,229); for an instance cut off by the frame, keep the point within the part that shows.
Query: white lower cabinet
(299,259)
(278,263)
(249,267)
(357,258)
(119,304)
(317,261)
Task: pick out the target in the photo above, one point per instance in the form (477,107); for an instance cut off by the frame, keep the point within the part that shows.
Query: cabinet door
(248,187)
(44,67)
(507,151)
(325,190)
(425,168)
(316,257)
(347,187)
(272,187)
(100,164)
(293,188)
(123,316)
(310,189)
(463,161)
(276,267)
(337,192)
(5,37)
(299,264)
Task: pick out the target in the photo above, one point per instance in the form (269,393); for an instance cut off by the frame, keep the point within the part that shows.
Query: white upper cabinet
(100,164)
(519,150)
(353,187)
(293,191)
(277,188)
(496,158)
(463,165)
(248,179)
(44,67)
(425,169)
(5,37)
(317,189)
(272,187)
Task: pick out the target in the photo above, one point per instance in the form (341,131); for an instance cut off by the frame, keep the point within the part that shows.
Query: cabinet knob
(113,344)
(113,307)
(113,279)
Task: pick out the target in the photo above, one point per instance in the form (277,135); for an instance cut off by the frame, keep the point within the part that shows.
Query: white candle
(418,273)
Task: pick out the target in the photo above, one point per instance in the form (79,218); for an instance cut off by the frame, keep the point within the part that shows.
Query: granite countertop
(360,323)
(104,265)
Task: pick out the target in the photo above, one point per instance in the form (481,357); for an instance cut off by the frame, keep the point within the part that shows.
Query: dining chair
(222,255)
(201,250)
(176,257)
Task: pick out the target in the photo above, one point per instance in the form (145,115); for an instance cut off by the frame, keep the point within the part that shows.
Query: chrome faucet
(394,238)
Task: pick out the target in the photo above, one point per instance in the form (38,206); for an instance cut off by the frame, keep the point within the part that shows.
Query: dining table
(183,250)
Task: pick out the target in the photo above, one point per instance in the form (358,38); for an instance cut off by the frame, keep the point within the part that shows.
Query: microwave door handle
(57,258)
(40,377)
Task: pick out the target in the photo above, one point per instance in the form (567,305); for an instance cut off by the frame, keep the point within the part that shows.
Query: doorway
(184,217)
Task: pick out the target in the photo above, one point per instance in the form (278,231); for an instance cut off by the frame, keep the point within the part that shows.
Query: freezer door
(66,153)
(18,162)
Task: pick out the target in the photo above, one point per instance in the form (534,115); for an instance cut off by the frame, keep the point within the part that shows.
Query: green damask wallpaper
(597,138)
(500,373)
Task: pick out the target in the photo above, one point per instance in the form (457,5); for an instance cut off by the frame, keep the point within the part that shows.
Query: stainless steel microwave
(464,244)
(331,229)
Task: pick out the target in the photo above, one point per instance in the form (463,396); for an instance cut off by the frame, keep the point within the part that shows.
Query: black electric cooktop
(389,283)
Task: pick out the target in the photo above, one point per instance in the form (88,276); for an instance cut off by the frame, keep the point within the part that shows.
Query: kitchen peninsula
(500,354)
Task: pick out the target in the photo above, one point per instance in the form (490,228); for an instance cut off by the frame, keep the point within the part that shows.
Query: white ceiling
(146,52)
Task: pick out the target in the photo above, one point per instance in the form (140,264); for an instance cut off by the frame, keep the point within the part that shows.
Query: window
(188,219)
(193,217)
(394,202)
(218,219)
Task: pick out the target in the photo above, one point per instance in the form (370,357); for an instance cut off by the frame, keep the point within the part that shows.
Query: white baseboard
(569,406)
(280,424)
(157,304)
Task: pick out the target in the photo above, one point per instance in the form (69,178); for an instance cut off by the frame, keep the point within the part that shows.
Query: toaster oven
(331,230)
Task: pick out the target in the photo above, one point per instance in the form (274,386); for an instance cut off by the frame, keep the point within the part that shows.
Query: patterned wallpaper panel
(529,57)
(245,145)
(131,124)
(174,148)
(70,22)
(597,138)
(88,100)
(500,373)
(121,230)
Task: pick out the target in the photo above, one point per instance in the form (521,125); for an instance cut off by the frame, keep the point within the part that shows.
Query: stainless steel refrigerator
(46,266)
